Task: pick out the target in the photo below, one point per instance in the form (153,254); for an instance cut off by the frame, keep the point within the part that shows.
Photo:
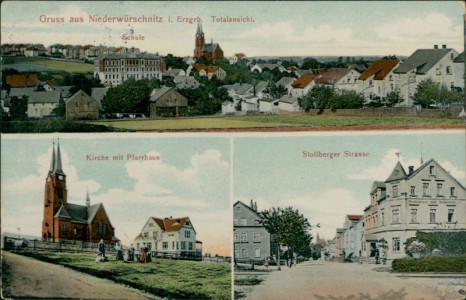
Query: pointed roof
(199,28)
(379,69)
(303,81)
(333,75)
(397,173)
(57,164)
(62,213)
(52,161)
(422,60)
(88,199)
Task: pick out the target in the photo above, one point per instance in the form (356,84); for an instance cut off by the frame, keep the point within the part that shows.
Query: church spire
(199,29)
(57,164)
(52,161)
(88,199)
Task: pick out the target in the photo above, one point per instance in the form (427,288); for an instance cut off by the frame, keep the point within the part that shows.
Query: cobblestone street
(328,280)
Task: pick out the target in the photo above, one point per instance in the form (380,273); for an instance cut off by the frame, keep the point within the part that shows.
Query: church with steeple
(68,221)
(211,51)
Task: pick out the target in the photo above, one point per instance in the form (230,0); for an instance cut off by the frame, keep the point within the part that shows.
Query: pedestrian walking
(119,252)
(377,256)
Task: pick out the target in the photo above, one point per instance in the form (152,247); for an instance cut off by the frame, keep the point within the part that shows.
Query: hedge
(431,264)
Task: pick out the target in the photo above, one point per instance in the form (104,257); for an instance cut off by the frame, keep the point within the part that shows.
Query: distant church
(67,221)
(210,51)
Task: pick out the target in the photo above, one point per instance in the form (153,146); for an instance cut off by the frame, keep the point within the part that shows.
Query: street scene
(325,280)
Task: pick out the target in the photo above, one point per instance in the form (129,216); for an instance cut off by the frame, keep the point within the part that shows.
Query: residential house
(458,71)
(41,104)
(260,89)
(68,221)
(169,237)
(378,80)
(268,105)
(251,241)
(81,106)
(250,103)
(288,103)
(236,58)
(186,82)
(174,72)
(339,243)
(303,85)
(436,63)
(238,91)
(22,80)
(114,69)
(166,102)
(209,71)
(286,82)
(261,67)
(229,107)
(352,235)
(428,199)
(341,79)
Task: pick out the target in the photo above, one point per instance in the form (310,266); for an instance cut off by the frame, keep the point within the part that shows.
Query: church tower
(199,43)
(55,194)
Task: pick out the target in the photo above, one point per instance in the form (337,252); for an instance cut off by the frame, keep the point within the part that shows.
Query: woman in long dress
(142,257)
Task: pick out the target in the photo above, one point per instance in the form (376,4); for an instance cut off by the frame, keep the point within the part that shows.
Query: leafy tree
(393,98)
(132,96)
(310,63)
(60,110)
(18,108)
(320,97)
(426,93)
(449,242)
(346,100)
(81,82)
(288,227)
(275,91)
(175,62)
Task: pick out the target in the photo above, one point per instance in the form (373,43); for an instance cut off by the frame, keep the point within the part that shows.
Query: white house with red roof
(340,79)
(169,237)
(378,80)
(303,85)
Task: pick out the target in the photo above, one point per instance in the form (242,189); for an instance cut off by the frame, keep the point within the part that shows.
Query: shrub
(430,264)
(448,242)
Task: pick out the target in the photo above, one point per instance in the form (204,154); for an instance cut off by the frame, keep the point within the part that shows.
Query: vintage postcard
(233,149)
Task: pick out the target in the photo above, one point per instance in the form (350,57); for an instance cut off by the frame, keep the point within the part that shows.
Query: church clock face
(60,177)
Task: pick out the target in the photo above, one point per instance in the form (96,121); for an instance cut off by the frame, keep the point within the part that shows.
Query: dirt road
(325,281)
(24,277)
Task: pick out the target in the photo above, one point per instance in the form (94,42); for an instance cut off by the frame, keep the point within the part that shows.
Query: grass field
(161,277)
(274,122)
(60,65)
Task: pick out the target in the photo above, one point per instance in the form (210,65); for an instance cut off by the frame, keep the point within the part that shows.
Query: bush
(430,264)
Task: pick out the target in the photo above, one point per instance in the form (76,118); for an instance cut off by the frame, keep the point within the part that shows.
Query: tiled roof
(170,224)
(157,93)
(422,59)
(44,97)
(379,69)
(354,217)
(98,93)
(19,92)
(183,82)
(285,81)
(459,58)
(303,81)
(210,48)
(332,75)
(262,85)
(239,88)
(22,80)
(288,99)
(397,173)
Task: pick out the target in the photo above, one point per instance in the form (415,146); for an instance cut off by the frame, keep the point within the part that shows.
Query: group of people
(125,254)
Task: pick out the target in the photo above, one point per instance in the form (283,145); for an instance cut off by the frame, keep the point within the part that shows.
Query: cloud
(453,170)
(381,171)
(432,27)
(285,31)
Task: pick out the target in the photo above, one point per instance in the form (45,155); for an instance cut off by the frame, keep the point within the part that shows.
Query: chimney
(411,170)
(435,46)
(255,206)
(251,205)
(444,46)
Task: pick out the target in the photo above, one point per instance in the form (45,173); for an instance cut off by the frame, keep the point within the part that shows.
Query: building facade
(171,237)
(81,106)
(210,51)
(428,199)
(114,69)
(166,102)
(251,241)
(67,221)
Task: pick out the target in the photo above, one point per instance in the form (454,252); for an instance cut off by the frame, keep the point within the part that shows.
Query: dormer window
(432,170)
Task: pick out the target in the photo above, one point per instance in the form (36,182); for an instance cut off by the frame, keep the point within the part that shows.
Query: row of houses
(63,51)
(427,199)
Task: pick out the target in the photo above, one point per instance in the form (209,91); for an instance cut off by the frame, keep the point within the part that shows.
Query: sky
(276,28)
(190,179)
(202,175)
(273,172)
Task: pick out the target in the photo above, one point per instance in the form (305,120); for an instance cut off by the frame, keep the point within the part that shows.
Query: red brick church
(67,221)
(210,51)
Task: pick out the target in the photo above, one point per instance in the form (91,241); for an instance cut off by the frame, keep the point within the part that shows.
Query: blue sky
(280,27)
(191,179)
(272,170)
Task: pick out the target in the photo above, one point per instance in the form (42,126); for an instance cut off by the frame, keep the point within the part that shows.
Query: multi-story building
(251,241)
(428,199)
(114,69)
(171,237)
(352,235)
(436,63)
(378,80)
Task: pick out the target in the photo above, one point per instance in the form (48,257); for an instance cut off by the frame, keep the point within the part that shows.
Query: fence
(18,244)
